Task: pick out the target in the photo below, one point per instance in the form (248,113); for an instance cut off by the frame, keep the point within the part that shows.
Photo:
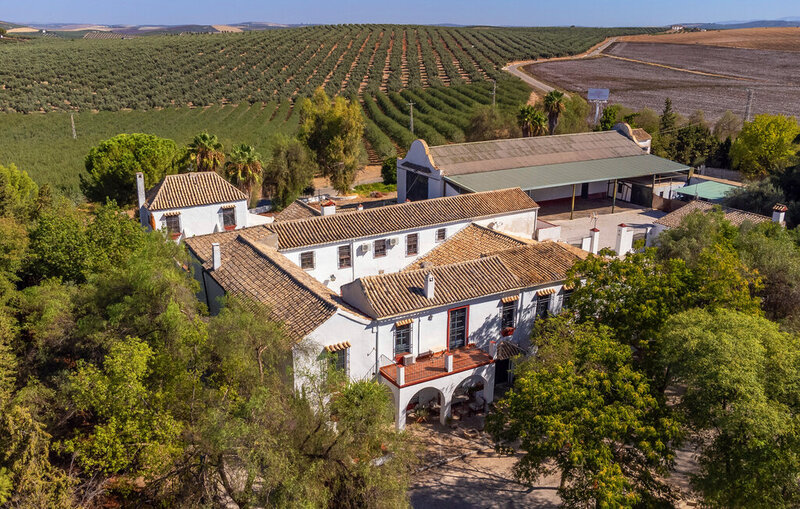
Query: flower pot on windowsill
(175,236)
(507,331)
(230,227)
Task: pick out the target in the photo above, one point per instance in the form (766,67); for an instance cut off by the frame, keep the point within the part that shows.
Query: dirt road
(515,67)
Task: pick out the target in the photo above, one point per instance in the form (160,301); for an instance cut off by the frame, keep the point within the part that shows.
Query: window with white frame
(402,338)
(307,260)
(412,244)
(508,315)
(457,328)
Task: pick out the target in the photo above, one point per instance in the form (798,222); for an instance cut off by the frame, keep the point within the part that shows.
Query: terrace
(434,379)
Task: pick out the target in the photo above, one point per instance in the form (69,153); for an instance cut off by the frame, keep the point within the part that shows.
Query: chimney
(328,208)
(216,256)
(140,188)
(401,375)
(779,213)
(448,362)
(360,207)
(624,239)
(594,245)
(430,285)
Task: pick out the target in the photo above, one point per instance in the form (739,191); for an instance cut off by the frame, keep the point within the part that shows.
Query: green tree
(766,145)
(728,126)
(389,170)
(112,165)
(697,232)
(243,168)
(575,115)
(581,409)
(333,131)
(59,246)
(18,192)
(758,196)
(532,121)
(288,173)
(553,105)
(609,118)
(742,379)
(206,152)
(487,123)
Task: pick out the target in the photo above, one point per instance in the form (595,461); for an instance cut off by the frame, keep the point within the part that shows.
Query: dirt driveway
(479,481)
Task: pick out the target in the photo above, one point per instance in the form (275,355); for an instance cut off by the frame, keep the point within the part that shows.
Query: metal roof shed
(563,174)
(708,191)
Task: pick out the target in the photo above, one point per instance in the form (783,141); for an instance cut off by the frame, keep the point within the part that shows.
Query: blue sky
(489,12)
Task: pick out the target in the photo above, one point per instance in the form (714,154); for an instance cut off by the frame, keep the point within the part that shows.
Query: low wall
(720,173)
(667,204)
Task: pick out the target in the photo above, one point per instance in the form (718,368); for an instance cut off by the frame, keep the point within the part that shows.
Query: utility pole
(749,108)
(411,112)
(72,119)
(494,91)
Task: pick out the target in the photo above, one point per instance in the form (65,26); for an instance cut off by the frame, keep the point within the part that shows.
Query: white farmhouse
(196,203)
(462,304)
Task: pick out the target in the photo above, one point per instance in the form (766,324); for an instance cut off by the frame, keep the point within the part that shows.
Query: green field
(46,74)
(242,87)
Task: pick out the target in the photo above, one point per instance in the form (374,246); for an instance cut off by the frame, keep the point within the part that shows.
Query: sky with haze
(467,12)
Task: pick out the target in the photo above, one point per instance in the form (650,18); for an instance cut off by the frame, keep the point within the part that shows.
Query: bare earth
(779,38)
(694,76)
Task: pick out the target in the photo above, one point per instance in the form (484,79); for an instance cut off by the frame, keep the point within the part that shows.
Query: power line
(411,113)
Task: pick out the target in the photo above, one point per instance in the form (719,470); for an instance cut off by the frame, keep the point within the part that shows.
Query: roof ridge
(474,261)
(506,140)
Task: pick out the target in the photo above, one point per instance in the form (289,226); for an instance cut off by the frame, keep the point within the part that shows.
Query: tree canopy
(289,172)
(766,145)
(112,165)
(333,131)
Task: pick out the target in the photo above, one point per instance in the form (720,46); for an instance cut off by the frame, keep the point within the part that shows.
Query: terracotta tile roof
(464,158)
(200,245)
(641,135)
(192,189)
(470,243)
(297,210)
(541,263)
(735,216)
(534,263)
(400,217)
(434,366)
(266,276)
(400,292)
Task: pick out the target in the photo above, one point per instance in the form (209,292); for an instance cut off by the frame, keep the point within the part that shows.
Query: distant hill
(786,22)
(150,29)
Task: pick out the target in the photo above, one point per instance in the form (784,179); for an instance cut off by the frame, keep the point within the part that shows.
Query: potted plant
(507,331)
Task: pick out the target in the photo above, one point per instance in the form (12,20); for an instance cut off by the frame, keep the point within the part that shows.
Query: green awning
(708,190)
(563,174)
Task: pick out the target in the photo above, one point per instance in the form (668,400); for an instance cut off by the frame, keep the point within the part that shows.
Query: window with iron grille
(173,224)
(441,234)
(229,218)
(457,330)
(412,244)
(307,260)
(402,339)
(341,359)
(543,306)
(345,258)
(508,316)
(379,248)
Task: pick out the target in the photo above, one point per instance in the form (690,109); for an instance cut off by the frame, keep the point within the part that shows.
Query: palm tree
(538,124)
(206,152)
(554,105)
(524,117)
(244,168)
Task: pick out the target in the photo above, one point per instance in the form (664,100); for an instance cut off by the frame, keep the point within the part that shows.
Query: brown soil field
(646,82)
(777,38)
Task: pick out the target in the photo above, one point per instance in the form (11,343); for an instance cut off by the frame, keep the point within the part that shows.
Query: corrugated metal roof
(708,190)
(498,155)
(552,175)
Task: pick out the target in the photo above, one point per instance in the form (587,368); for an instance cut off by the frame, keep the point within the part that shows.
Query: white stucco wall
(201,220)
(364,262)
(418,155)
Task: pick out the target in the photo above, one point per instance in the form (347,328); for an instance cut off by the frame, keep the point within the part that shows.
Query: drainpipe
(353,256)
(377,353)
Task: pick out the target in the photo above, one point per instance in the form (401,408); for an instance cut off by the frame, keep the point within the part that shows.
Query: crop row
(260,66)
